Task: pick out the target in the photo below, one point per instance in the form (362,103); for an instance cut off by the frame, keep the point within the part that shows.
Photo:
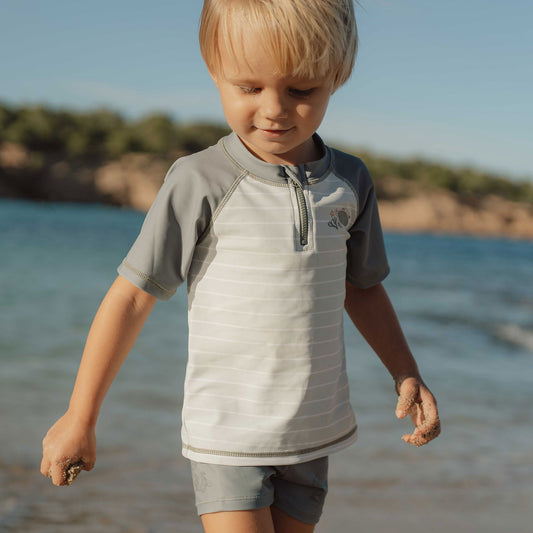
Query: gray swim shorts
(298,490)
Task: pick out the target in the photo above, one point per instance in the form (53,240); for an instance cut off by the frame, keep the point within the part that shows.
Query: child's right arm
(372,313)
(115,328)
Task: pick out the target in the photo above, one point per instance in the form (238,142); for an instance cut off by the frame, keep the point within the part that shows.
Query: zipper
(302,206)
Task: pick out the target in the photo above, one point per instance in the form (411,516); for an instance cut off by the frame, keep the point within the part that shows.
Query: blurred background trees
(102,133)
(466,182)
(106,135)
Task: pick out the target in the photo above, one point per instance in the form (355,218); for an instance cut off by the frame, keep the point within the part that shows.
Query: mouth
(273,133)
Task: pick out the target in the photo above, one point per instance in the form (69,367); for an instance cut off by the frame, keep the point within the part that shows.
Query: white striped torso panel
(266,373)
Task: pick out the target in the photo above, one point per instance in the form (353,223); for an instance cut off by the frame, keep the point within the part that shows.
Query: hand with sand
(72,440)
(68,448)
(416,400)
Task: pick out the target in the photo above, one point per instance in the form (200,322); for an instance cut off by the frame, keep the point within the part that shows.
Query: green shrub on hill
(467,182)
(102,132)
(106,134)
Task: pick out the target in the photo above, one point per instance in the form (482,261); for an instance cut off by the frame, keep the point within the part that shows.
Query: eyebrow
(249,81)
(255,82)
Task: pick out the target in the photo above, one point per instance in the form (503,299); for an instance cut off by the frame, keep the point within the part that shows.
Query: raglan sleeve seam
(160,257)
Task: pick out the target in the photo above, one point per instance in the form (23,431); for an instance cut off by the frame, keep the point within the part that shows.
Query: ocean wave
(516,335)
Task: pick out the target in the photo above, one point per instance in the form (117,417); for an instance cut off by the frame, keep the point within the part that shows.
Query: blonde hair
(310,39)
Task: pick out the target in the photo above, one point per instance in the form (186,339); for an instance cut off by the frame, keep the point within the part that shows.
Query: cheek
(234,109)
(312,113)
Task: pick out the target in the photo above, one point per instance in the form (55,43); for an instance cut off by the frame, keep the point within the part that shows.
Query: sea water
(466,306)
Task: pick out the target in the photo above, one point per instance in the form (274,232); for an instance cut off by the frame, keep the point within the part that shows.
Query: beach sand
(154,496)
(383,511)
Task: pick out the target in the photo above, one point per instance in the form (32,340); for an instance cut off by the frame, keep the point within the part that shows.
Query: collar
(313,171)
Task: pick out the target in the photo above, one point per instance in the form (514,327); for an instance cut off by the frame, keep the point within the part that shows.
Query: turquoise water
(466,306)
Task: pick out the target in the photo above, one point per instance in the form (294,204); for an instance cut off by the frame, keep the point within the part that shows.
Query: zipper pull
(292,177)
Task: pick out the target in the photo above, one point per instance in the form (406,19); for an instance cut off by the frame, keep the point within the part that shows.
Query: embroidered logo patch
(339,219)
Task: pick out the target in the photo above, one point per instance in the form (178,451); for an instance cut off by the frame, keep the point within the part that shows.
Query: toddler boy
(276,234)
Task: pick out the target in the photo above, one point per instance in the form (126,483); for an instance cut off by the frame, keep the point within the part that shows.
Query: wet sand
(386,509)
(155,496)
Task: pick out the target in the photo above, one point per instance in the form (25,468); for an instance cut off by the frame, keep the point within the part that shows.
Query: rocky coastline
(134,179)
(440,211)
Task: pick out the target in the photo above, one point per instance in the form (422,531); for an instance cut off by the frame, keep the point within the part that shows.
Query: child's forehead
(244,56)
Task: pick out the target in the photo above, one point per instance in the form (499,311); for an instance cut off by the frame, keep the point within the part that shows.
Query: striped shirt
(265,250)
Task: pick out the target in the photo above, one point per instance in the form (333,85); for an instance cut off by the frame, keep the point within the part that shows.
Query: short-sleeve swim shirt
(265,250)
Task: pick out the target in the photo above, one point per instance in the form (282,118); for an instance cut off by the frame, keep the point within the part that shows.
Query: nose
(274,105)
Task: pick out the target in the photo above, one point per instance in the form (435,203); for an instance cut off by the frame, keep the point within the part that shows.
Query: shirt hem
(268,458)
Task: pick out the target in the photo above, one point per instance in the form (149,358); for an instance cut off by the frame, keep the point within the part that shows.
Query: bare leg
(266,520)
(283,523)
(256,521)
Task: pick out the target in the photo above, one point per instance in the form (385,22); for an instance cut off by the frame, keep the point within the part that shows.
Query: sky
(449,81)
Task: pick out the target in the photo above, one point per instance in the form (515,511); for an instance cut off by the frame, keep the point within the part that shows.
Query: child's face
(274,116)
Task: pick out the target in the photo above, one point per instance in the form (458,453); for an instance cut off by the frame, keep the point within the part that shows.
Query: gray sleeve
(367,259)
(159,260)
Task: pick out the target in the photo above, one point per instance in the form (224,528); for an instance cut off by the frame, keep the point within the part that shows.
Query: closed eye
(295,93)
(250,90)
(301,93)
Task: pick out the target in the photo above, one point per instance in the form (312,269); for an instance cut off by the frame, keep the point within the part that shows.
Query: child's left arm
(373,315)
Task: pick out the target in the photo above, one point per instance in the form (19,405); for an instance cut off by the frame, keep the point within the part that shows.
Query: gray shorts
(298,490)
